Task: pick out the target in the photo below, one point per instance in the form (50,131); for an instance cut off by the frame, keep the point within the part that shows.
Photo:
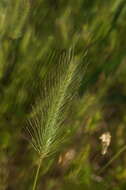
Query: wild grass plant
(29,31)
(47,127)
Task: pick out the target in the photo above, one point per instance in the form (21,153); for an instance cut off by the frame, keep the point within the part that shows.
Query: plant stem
(37,174)
(113,158)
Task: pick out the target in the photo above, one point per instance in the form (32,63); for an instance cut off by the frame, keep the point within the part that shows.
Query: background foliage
(30,34)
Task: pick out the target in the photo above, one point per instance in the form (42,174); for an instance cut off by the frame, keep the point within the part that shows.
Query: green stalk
(113,158)
(37,174)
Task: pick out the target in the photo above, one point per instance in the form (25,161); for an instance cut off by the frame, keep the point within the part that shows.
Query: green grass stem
(37,174)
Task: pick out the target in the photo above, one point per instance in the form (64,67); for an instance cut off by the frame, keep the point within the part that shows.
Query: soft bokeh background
(30,31)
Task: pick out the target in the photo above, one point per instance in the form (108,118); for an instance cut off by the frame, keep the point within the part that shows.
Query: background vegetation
(32,34)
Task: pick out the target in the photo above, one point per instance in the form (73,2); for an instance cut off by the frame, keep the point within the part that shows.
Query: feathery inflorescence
(46,127)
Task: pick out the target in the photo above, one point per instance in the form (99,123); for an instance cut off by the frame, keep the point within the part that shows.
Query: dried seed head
(106,139)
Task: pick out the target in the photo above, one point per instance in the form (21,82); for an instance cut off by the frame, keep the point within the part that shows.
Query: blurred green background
(30,33)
